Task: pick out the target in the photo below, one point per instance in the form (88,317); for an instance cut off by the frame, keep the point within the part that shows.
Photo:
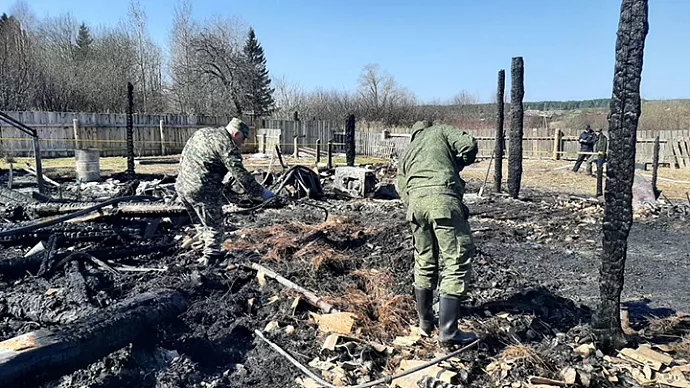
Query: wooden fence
(60,133)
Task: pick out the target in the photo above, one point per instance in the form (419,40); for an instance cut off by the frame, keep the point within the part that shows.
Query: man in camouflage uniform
(430,185)
(206,158)
(599,147)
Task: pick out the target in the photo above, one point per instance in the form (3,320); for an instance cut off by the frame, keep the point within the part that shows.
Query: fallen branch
(384,380)
(58,220)
(310,296)
(44,355)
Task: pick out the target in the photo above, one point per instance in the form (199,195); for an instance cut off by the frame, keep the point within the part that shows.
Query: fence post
(10,177)
(295,151)
(162,138)
(556,144)
(330,154)
(318,151)
(264,139)
(600,174)
(75,127)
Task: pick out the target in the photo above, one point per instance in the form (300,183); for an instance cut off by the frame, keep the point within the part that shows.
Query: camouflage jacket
(432,162)
(206,158)
(601,144)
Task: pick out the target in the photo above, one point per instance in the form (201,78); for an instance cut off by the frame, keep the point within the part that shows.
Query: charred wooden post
(330,154)
(43,355)
(500,134)
(623,119)
(655,166)
(350,140)
(130,128)
(280,157)
(517,92)
(318,152)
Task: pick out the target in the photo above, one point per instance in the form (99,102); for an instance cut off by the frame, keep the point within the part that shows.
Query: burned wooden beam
(19,266)
(517,92)
(623,119)
(655,167)
(350,140)
(500,134)
(44,355)
(130,128)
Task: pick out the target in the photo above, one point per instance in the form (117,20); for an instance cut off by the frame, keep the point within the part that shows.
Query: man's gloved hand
(267,194)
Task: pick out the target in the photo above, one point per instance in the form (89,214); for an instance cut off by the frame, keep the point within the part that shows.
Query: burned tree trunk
(500,137)
(43,355)
(517,92)
(130,128)
(625,112)
(350,140)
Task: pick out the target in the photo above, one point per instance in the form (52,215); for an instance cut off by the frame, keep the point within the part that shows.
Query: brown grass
(524,356)
(543,174)
(666,325)
(381,312)
(682,346)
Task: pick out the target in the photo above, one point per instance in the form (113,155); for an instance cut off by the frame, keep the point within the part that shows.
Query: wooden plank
(681,156)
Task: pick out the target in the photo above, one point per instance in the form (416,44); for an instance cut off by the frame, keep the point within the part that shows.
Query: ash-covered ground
(534,285)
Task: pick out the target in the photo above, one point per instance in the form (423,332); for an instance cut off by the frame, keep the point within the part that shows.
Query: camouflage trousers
(207,216)
(593,159)
(443,244)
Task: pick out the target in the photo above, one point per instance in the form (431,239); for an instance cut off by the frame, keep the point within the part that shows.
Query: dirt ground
(534,285)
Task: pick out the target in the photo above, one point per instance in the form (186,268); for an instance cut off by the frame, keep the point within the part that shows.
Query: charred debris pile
(100,286)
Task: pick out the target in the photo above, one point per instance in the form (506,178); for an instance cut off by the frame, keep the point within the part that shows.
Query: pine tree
(84,41)
(259,93)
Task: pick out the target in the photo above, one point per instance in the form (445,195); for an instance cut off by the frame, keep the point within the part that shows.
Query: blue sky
(437,48)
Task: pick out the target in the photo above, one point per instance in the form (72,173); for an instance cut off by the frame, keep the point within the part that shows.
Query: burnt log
(20,266)
(500,134)
(44,355)
(517,92)
(350,140)
(623,119)
(71,233)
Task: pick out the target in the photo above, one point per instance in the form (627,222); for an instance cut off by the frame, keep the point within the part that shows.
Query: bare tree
(148,60)
(186,92)
(17,71)
(290,97)
(219,61)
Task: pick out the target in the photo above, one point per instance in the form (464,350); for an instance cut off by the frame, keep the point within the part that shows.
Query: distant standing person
(587,140)
(430,186)
(600,147)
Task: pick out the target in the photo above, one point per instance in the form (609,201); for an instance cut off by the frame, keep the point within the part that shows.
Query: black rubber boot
(425,299)
(448,314)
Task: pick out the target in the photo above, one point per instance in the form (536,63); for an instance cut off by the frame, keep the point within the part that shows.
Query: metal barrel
(88,164)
